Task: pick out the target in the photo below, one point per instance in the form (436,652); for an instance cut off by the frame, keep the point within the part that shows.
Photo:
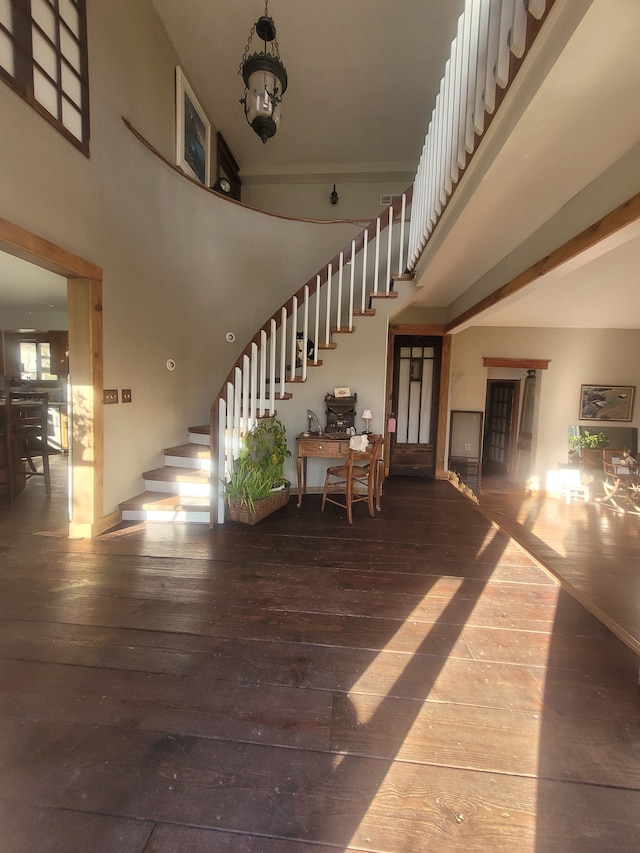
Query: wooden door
(416,371)
(498,438)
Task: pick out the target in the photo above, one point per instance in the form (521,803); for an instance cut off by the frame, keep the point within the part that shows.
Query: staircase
(180,490)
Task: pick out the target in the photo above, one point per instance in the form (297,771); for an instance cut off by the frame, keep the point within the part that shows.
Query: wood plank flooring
(409,683)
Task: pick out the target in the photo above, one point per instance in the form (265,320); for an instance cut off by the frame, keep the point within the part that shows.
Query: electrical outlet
(110,395)
(467,447)
(126,395)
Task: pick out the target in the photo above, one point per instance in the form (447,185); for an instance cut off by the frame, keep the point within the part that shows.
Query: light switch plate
(126,395)
(110,395)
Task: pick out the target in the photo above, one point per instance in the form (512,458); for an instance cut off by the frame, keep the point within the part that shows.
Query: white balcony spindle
(493,41)
(504,43)
(481,76)
(519,30)
(263,373)
(376,272)
(403,213)
(272,367)
(219,469)
(254,381)
(283,351)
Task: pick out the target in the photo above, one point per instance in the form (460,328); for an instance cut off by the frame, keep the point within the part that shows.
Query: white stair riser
(186,462)
(187,516)
(171,487)
(198,438)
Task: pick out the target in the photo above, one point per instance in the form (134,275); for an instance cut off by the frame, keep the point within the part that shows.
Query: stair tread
(200,430)
(382,294)
(170,473)
(190,451)
(161,500)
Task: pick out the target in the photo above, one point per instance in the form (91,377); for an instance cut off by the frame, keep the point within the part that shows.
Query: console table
(325,447)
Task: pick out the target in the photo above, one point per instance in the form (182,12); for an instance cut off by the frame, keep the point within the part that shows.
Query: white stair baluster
(352,280)
(389,249)
(376,272)
(537,7)
(316,336)
(339,301)
(481,75)
(305,332)
(519,30)
(263,372)
(473,74)
(403,213)
(493,41)
(254,381)
(504,43)
(294,338)
(217,487)
(283,351)
(327,322)
(365,253)
(273,369)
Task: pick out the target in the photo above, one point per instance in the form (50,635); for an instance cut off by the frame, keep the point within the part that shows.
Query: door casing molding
(84,308)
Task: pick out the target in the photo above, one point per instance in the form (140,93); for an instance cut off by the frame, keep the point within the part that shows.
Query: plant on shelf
(590,440)
(258,486)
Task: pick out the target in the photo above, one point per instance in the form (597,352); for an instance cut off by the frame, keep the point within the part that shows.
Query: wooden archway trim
(517,363)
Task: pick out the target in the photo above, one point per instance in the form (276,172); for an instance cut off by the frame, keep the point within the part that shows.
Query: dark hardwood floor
(413,682)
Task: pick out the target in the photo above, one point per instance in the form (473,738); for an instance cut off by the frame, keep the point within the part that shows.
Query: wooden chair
(26,415)
(358,479)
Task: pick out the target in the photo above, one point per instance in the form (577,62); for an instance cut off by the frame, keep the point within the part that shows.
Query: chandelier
(265,79)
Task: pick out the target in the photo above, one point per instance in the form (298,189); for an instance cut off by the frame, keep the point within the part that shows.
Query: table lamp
(367,417)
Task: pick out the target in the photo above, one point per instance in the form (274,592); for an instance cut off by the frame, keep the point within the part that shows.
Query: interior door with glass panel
(416,370)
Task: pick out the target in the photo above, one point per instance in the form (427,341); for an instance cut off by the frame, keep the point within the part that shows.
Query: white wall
(577,357)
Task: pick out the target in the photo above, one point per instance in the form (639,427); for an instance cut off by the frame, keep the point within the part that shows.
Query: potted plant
(257,486)
(589,446)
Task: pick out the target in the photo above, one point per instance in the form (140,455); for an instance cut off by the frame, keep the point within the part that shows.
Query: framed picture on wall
(193,132)
(606,402)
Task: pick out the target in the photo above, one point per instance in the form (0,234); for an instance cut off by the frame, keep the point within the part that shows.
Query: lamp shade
(366,415)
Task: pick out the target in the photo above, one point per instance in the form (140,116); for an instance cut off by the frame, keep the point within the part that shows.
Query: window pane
(43,15)
(70,49)
(6,54)
(45,55)
(72,119)
(5,14)
(69,14)
(44,354)
(71,86)
(28,360)
(45,93)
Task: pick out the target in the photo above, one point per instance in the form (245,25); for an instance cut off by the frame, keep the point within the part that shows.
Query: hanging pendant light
(265,79)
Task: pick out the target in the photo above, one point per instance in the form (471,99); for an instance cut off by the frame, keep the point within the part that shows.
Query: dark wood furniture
(356,480)
(26,416)
(317,446)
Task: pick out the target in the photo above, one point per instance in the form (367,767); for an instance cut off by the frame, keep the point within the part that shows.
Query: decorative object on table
(341,392)
(314,427)
(367,417)
(265,79)
(257,487)
(193,132)
(606,402)
(341,413)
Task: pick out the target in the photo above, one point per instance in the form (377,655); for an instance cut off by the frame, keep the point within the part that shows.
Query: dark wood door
(416,371)
(498,437)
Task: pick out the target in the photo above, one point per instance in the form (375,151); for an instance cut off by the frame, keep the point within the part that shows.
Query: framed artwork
(606,402)
(193,132)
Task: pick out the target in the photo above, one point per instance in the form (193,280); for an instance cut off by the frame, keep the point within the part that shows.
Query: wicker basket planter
(239,511)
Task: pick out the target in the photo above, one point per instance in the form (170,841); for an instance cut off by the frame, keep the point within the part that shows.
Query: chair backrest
(27,414)
(369,456)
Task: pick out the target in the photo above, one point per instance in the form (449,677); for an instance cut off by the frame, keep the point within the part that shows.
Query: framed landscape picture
(193,132)
(606,402)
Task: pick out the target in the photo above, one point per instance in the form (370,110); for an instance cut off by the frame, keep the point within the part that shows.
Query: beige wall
(577,357)
(181,266)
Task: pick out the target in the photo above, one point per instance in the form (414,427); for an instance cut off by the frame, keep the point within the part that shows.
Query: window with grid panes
(43,56)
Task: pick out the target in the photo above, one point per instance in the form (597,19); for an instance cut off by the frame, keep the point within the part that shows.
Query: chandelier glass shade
(265,80)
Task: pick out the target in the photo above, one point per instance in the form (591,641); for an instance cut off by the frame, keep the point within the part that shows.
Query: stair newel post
(365,252)
(263,372)
(305,331)
(283,351)
(376,272)
(219,463)
(294,338)
(272,367)
(389,250)
(402,247)
(254,381)
(352,280)
(317,321)
(339,302)
(247,423)
(327,324)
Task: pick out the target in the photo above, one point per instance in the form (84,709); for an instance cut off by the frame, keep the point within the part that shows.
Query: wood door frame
(424,331)
(84,310)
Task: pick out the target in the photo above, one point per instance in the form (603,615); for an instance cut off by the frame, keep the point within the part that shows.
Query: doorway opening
(500,431)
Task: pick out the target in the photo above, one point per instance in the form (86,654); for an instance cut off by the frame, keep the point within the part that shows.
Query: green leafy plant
(590,440)
(260,465)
